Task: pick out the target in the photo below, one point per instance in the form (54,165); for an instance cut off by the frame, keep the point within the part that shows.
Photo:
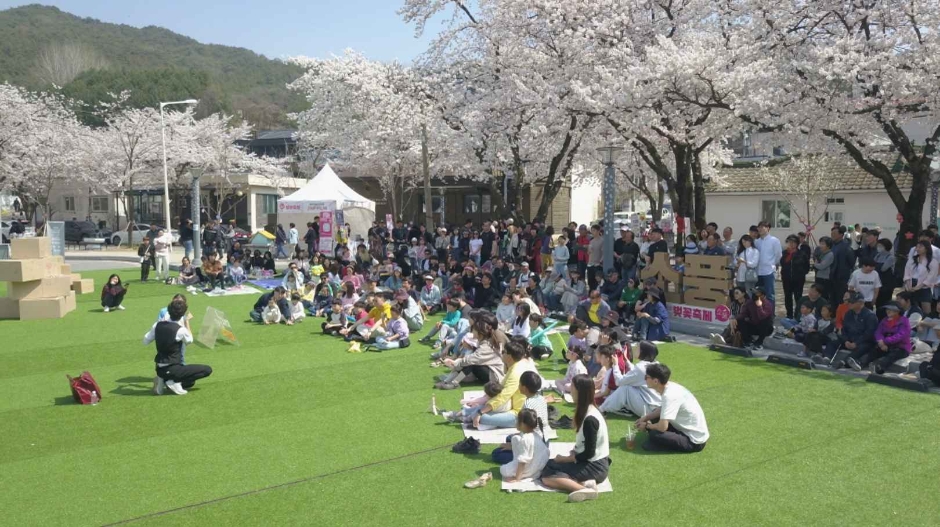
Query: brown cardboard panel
(9,308)
(709,284)
(83,286)
(701,266)
(27,270)
(44,308)
(53,287)
(29,248)
(70,303)
(65,269)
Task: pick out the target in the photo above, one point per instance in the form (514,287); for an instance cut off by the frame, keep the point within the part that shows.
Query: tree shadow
(130,380)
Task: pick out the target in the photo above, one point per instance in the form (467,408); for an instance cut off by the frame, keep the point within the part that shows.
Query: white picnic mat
(234,291)
(534,485)
(495,436)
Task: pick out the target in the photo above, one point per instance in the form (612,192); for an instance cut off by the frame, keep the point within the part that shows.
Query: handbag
(750,275)
(85,389)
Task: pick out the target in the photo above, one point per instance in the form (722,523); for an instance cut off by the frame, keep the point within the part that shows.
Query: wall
(868,208)
(585,197)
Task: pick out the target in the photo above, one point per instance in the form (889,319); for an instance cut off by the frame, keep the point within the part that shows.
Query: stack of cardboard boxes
(40,286)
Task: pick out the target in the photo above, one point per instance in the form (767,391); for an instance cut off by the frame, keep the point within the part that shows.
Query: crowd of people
(502,289)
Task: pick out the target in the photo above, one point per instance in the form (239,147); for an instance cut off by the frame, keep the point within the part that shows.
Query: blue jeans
(562,269)
(767,282)
(789,323)
(383,344)
(280,252)
(499,420)
(255,315)
(641,328)
(188,248)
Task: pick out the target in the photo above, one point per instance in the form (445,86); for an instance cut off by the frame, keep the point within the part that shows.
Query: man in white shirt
(866,281)
(293,238)
(679,424)
(770,252)
(162,246)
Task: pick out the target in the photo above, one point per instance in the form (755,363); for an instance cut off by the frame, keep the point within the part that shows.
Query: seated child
(611,376)
(271,313)
(336,319)
(256,264)
(236,272)
(466,413)
(530,451)
(446,328)
(807,324)
(575,356)
(538,339)
(396,332)
(297,312)
(505,313)
(267,263)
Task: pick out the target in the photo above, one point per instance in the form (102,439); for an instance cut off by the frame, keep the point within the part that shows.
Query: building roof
(276,134)
(846,173)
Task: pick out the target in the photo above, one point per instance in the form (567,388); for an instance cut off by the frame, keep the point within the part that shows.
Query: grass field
(291,430)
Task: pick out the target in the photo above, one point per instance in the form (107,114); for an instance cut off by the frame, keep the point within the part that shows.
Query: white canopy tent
(326,191)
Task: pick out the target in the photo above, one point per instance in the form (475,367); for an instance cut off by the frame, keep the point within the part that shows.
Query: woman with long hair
(485,362)
(746,257)
(587,465)
(920,275)
(112,294)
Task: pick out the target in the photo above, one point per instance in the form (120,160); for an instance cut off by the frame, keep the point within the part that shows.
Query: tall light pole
(166,181)
(195,206)
(608,155)
(934,187)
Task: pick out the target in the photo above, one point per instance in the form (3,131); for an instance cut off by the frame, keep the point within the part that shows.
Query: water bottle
(94,397)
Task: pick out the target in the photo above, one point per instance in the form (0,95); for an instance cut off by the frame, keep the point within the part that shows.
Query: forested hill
(41,46)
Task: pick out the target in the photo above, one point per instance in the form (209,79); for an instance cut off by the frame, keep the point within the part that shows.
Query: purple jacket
(895,335)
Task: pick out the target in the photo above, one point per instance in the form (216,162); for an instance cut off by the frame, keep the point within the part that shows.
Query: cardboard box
(51,287)
(28,248)
(75,277)
(9,308)
(65,269)
(59,259)
(43,308)
(26,270)
(83,286)
(70,302)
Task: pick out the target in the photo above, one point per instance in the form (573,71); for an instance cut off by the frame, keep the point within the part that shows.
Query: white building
(743,200)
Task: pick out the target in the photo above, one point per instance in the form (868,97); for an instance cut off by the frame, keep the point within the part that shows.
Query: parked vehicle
(76,231)
(138,232)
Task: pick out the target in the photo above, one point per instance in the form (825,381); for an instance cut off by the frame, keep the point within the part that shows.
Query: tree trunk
(699,194)
(682,206)
(656,205)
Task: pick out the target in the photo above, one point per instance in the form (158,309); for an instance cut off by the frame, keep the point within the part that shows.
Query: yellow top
(511,386)
(592,313)
(381,314)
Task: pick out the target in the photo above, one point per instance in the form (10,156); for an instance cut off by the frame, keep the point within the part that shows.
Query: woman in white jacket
(632,393)
(748,257)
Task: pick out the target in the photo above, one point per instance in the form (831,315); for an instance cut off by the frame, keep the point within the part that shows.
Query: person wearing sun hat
(652,322)
(892,340)
(430,296)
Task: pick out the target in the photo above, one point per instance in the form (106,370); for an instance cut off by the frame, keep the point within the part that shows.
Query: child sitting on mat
(505,313)
(576,366)
(530,384)
(529,449)
(606,356)
(468,406)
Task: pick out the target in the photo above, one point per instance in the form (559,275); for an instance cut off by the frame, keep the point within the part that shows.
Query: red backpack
(84,388)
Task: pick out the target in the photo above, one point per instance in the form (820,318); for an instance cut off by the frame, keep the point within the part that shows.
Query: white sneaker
(584,494)
(158,385)
(121,307)
(590,484)
(486,427)
(106,309)
(176,388)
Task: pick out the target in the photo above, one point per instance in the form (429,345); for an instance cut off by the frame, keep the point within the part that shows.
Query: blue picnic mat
(267,284)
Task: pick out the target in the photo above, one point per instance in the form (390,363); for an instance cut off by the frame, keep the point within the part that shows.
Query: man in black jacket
(858,333)
(612,288)
(279,294)
(626,253)
(171,337)
(843,265)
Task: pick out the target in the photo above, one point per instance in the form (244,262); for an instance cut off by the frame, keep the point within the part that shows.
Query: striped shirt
(540,407)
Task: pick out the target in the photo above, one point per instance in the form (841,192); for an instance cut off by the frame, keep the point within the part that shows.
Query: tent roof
(327,186)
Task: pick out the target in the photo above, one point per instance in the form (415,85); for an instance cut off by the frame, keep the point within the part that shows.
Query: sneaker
(854,364)
(802,355)
(435,356)
(590,484)
(819,358)
(424,340)
(584,494)
(467,446)
(121,307)
(552,413)
(106,309)
(479,482)
(484,428)
(873,368)
(159,385)
(447,386)
(838,365)
(176,387)
(757,347)
(563,422)
(451,417)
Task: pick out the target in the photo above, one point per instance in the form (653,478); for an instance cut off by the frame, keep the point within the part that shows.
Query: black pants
(792,291)
(883,359)
(144,270)
(931,370)
(480,373)
(186,375)
(591,280)
(541,352)
(112,301)
(858,353)
(331,329)
(758,332)
(581,313)
(215,280)
(837,291)
(672,440)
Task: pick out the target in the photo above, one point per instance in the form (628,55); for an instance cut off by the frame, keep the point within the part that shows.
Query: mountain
(89,58)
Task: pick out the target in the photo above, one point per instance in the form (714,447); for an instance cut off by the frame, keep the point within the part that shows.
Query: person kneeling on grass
(112,294)
(279,298)
(679,424)
(587,465)
(396,335)
(171,337)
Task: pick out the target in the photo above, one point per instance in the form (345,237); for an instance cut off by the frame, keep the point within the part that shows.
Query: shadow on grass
(822,373)
(63,401)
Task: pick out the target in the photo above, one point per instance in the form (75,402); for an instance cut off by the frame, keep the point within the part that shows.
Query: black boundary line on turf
(274,487)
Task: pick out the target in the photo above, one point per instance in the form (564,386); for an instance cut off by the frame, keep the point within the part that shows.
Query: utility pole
(195,213)
(426,165)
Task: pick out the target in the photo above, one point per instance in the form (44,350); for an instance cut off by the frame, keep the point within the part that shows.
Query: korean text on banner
(326,231)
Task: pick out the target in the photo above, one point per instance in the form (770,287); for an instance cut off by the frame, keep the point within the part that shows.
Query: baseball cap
(855,297)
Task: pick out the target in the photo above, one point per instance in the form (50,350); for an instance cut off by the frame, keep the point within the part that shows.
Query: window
(834,216)
(69,204)
(268,203)
(487,203)
(471,204)
(777,213)
(99,203)
(832,201)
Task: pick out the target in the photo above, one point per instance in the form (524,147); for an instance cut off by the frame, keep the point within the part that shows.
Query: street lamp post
(195,207)
(166,181)
(608,155)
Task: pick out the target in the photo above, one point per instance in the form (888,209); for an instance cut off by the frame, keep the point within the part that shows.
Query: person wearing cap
(430,299)
(524,276)
(410,311)
(612,288)
(892,340)
(858,333)
(592,310)
(652,319)
(755,321)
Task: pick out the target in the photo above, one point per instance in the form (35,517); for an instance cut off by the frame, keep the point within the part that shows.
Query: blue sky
(277,29)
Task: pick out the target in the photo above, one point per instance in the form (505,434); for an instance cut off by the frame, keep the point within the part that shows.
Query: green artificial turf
(290,429)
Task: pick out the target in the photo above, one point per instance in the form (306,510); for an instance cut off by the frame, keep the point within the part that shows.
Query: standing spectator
(489,242)
(713,246)
(293,238)
(595,256)
(147,258)
(626,254)
(186,237)
(884,261)
(582,242)
(280,240)
(866,281)
(545,249)
(162,247)
(310,238)
(823,266)
(843,264)
(920,275)
(770,251)
(794,264)
(869,246)
(746,261)
(728,242)
(560,256)
(228,236)
(657,245)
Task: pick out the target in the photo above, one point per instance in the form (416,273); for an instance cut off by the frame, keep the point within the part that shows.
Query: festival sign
(720,313)
(326,231)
